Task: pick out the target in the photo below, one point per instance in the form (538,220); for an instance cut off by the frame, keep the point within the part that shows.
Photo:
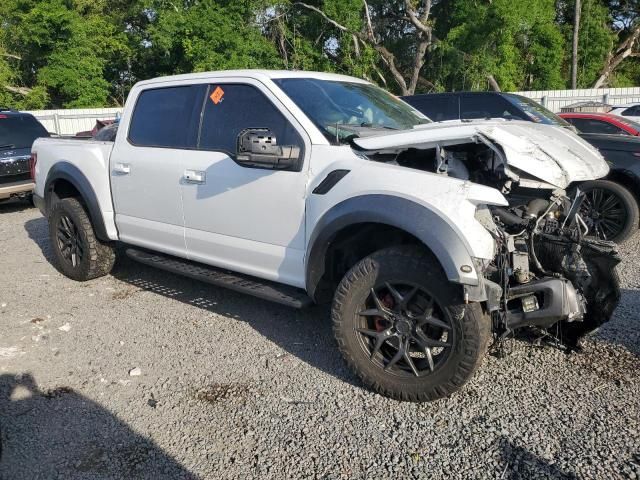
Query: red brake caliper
(380,323)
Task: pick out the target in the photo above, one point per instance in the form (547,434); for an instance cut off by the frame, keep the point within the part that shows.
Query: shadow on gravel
(624,329)
(38,231)
(11,206)
(519,463)
(62,434)
(306,335)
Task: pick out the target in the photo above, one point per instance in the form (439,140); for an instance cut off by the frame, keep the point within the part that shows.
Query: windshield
(19,131)
(536,112)
(340,109)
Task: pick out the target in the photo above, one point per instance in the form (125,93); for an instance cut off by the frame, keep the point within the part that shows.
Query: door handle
(194,176)
(122,168)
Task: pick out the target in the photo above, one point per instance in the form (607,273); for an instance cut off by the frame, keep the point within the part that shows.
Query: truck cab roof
(252,73)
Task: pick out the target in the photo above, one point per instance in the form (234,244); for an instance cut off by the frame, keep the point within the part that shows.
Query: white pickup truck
(303,187)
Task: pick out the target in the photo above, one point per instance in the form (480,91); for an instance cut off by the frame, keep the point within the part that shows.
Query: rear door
(147,165)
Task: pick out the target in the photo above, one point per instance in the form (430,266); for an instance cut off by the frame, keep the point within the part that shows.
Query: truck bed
(89,158)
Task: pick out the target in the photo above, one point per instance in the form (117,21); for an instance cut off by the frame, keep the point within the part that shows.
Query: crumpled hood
(552,154)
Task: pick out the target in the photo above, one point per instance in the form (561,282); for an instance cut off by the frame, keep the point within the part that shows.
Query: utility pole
(574,50)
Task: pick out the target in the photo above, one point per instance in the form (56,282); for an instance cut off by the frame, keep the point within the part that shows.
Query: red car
(602,123)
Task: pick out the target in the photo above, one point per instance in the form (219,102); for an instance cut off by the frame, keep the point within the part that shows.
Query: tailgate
(14,163)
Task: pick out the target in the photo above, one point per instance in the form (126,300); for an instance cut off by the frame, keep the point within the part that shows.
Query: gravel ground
(142,374)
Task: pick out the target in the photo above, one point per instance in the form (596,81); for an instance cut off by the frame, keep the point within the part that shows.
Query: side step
(272,291)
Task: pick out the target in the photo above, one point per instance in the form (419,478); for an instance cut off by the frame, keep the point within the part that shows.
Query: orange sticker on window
(216,96)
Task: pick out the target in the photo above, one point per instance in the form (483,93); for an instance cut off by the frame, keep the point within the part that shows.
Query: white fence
(554,100)
(70,122)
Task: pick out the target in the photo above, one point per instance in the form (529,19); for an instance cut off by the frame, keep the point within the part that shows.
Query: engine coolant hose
(509,218)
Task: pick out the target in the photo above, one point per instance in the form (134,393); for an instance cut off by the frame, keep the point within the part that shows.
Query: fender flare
(72,174)
(433,230)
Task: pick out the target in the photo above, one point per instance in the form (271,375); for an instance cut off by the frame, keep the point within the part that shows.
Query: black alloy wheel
(404,331)
(76,250)
(609,210)
(70,241)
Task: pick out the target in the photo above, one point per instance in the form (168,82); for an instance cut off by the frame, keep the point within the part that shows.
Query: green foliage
(64,49)
(208,36)
(87,53)
(516,42)
(595,41)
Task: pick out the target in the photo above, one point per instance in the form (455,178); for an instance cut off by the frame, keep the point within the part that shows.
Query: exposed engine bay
(548,272)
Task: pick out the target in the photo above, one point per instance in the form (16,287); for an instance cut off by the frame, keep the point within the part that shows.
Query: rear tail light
(32,165)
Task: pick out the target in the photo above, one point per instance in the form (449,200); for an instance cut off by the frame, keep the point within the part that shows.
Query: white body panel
(453,199)
(147,199)
(246,219)
(91,158)
(260,221)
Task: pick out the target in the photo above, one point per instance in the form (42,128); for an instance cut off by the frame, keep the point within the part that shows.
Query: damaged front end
(550,274)
(547,273)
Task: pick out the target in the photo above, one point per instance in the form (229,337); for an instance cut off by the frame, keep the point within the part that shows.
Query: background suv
(18,131)
(611,209)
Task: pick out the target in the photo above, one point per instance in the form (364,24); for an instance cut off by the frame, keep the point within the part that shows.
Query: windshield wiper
(8,145)
(371,125)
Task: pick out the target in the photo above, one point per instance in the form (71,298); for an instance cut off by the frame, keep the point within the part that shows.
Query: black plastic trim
(424,224)
(265,289)
(73,175)
(330,181)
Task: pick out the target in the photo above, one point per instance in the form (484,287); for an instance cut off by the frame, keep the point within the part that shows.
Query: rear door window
(19,131)
(589,125)
(166,117)
(438,108)
(632,111)
(231,108)
(479,106)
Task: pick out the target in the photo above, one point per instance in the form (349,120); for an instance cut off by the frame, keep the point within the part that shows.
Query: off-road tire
(628,202)
(471,326)
(98,258)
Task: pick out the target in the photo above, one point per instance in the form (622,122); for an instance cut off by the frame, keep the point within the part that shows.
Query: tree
(625,49)
(198,36)
(64,49)
(517,43)
(625,29)
(414,21)
(574,44)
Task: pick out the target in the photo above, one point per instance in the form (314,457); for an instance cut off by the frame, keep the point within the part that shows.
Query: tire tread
(101,255)
(475,322)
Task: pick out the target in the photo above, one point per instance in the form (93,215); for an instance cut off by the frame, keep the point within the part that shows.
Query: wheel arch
(372,222)
(66,180)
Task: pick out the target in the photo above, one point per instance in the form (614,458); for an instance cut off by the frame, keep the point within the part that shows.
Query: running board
(272,291)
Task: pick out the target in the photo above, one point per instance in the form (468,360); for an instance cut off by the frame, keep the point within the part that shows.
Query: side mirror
(258,148)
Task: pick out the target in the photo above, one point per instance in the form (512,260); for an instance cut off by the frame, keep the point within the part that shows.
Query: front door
(147,165)
(246,219)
